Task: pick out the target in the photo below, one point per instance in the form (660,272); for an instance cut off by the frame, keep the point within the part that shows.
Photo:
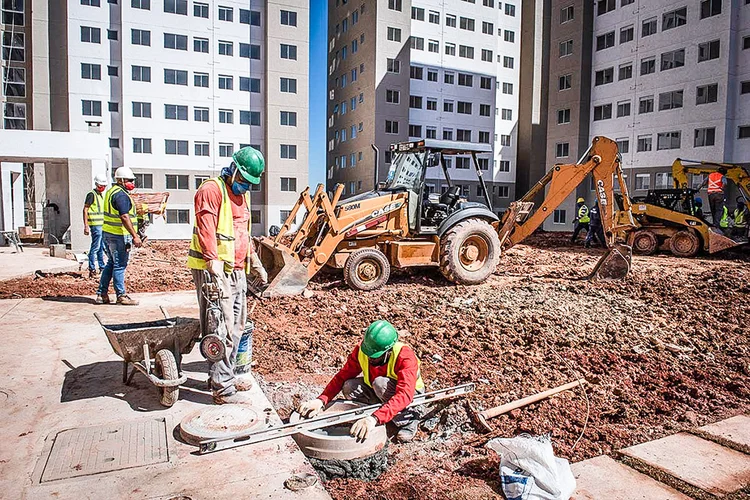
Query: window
(392,96)
(175,112)
(670,100)
(251,118)
(288,18)
(504,140)
(141,74)
(225,150)
(465,80)
(625,71)
(466,52)
(463,135)
(604,6)
(14,82)
(391,127)
(141,145)
(394,34)
(510,10)
(746,43)
(415,102)
(488,28)
(177,181)
(200,114)
(434,17)
(289,118)
(663,180)
(623,146)
(417,13)
(605,41)
(431,133)
(140,37)
(250,51)
(668,140)
(393,66)
(289,151)
(141,109)
(673,59)
(176,7)
(463,163)
(177,216)
(200,10)
(431,104)
(289,184)
(487,55)
(708,50)
(644,143)
(563,116)
(566,48)
(433,46)
(91,108)
(673,19)
(507,62)
(226,14)
(466,23)
(710,8)
(648,27)
(485,82)
(91,35)
(506,114)
(463,107)
(648,66)
(226,116)
(175,147)
(623,3)
(743,132)
(200,179)
(114,143)
(88,72)
(558,216)
(504,166)
(144,181)
(603,112)
(566,14)
(416,72)
(251,17)
(626,34)
(415,131)
(417,43)
(642,182)
(707,93)
(623,109)
(450,49)
(288,85)
(394,5)
(226,48)
(200,80)
(562,149)
(177,42)
(704,137)
(175,77)
(200,45)
(91,3)
(564,82)
(745,87)
(507,88)
(112,70)
(604,76)
(226,82)
(450,20)
(509,36)
(447,106)
(646,105)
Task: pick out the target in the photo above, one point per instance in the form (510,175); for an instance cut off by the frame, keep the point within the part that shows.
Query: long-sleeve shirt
(207,205)
(406,368)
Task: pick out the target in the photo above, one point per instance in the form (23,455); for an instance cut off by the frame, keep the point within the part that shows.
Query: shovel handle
(499,410)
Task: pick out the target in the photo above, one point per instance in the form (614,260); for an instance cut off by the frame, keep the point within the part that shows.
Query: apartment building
(177,87)
(665,79)
(401,70)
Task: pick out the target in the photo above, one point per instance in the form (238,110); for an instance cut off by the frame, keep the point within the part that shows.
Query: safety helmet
(698,200)
(124,173)
(379,337)
(740,200)
(580,200)
(250,164)
(100,180)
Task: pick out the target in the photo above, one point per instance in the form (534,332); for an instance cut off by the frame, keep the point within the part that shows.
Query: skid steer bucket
(614,264)
(286,274)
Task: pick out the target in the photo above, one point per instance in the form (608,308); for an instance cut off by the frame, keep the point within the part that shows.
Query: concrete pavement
(17,265)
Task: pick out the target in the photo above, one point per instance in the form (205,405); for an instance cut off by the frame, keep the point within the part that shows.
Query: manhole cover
(218,422)
(92,450)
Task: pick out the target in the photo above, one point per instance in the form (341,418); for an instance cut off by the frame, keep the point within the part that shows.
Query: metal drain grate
(86,451)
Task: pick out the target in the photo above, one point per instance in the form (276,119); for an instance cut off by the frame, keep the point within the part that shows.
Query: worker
(93,219)
(717,186)
(582,219)
(741,215)
(120,231)
(724,221)
(390,375)
(697,210)
(221,248)
(596,231)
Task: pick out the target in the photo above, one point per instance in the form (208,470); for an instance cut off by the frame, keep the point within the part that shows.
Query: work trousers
(234,308)
(716,202)
(96,251)
(117,248)
(580,226)
(595,233)
(383,389)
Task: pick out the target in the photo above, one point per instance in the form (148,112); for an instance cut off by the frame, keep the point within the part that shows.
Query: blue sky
(318,82)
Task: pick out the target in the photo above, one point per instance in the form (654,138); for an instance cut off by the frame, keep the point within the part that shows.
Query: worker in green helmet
(221,250)
(379,370)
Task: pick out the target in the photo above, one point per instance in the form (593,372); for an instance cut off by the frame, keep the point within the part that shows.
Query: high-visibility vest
(715,182)
(224,233)
(364,363)
(95,214)
(112,222)
(724,222)
(740,219)
(583,214)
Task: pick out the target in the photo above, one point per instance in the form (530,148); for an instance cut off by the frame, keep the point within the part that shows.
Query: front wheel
(367,269)
(167,367)
(645,242)
(684,244)
(469,252)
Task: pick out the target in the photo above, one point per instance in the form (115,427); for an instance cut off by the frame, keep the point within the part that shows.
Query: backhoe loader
(398,225)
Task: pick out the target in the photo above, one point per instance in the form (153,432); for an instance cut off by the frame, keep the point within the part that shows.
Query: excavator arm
(735,173)
(602,160)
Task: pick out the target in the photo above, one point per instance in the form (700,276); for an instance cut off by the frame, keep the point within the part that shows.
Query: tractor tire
(645,242)
(684,244)
(469,252)
(367,269)
(166,366)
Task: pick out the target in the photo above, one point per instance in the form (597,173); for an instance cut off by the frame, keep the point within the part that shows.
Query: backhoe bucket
(286,274)
(614,264)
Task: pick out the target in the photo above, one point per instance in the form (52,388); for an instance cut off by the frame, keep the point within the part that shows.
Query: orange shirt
(207,206)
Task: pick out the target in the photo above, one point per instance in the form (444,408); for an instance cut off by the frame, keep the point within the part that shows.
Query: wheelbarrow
(166,339)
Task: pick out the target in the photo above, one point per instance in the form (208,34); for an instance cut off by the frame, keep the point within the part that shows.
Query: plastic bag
(529,469)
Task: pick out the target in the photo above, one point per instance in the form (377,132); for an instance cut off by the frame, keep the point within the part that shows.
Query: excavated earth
(664,350)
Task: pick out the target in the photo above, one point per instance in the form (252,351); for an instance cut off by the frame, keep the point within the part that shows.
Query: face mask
(100,188)
(129,185)
(239,189)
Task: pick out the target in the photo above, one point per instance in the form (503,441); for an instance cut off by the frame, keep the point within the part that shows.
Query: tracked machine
(399,225)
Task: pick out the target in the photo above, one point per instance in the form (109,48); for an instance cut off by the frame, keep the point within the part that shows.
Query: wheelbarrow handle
(164,312)
(96,315)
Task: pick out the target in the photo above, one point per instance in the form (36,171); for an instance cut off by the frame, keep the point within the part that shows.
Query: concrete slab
(603,478)
(696,461)
(735,430)
(17,265)
(61,374)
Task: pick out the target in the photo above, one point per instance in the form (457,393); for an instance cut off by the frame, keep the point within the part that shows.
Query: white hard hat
(100,179)
(124,173)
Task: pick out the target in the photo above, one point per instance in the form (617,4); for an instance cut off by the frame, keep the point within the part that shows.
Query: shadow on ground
(72,300)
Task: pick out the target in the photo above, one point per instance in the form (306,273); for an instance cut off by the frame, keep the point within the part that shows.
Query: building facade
(401,70)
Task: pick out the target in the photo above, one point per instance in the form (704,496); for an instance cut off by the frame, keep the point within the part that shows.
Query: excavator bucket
(286,274)
(614,264)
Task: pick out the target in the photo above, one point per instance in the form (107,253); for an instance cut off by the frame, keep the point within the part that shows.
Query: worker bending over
(221,247)
(582,219)
(93,220)
(389,374)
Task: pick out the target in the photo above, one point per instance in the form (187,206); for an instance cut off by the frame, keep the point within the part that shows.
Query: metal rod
(213,445)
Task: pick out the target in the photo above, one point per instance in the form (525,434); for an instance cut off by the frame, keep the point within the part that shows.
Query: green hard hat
(379,337)
(250,163)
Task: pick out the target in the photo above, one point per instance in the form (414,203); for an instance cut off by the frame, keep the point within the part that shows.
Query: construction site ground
(667,349)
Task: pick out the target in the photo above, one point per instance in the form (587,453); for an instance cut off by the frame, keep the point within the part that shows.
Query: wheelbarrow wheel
(167,366)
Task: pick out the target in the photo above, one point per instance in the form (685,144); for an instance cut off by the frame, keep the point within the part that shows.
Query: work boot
(238,398)
(102,299)
(124,300)
(243,383)
(406,433)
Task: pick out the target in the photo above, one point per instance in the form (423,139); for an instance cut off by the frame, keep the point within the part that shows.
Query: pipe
(377,164)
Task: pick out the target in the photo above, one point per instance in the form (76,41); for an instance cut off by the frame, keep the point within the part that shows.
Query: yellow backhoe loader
(398,225)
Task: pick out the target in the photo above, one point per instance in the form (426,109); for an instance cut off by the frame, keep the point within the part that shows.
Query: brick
(735,430)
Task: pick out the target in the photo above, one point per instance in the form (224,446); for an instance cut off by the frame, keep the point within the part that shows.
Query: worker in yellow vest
(582,220)
(741,215)
(390,375)
(221,251)
(93,219)
(120,231)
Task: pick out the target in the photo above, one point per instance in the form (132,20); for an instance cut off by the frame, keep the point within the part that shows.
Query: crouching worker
(389,374)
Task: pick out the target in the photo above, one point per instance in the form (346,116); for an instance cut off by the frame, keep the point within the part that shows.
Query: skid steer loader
(397,225)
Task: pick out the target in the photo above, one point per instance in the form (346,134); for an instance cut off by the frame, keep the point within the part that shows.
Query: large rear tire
(167,367)
(684,244)
(367,269)
(469,252)
(645,242)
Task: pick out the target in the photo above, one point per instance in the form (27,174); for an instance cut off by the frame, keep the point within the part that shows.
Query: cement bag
(529,469)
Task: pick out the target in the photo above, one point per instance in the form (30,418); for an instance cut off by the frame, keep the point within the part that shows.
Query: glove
(362,427)
(257,269)
(309,409)
(215,267)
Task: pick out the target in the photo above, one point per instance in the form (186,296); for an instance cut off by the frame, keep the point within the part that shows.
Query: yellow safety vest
(224,233)
(112,222)
(583,214)
(724,222)
(364,363)
(739,218)
(95,215)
